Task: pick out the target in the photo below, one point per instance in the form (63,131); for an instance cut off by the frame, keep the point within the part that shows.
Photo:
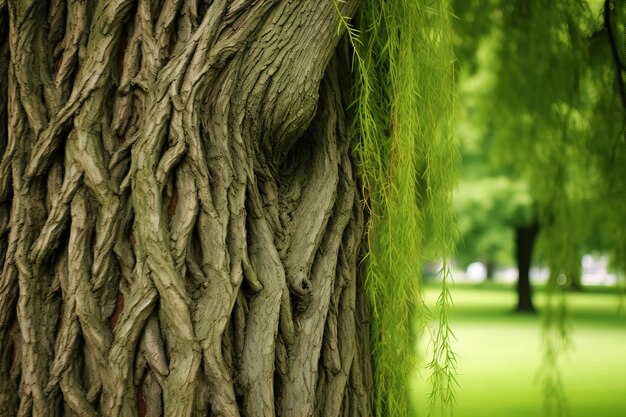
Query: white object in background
(476,272)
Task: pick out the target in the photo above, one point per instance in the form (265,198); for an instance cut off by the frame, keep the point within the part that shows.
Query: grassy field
(499,355)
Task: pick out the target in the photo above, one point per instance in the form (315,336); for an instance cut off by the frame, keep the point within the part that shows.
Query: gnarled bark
(180,218)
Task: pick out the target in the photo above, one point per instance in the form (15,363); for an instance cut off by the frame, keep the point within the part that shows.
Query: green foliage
(443,365)
(559,123)
(487,210)
(403,104)
(488,201)
(543,95)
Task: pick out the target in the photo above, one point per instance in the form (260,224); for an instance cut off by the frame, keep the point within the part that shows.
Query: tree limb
(619,65)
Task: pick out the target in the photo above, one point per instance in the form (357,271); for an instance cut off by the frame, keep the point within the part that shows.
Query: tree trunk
(180,220)
(574,280)
(525,237)
(490,267)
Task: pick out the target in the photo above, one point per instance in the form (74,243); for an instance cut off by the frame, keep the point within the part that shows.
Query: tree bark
(525,237)
(181,225)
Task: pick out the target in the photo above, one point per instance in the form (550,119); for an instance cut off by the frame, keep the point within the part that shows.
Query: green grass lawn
(499,355)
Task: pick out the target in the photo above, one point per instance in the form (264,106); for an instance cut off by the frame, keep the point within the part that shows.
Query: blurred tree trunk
(490,267)
(574,280)
(180,220)
(525,237)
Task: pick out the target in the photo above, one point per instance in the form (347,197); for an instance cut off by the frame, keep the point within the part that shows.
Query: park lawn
(499,355)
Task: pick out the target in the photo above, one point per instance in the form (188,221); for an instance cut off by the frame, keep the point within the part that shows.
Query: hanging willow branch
(620,66)
(403,103)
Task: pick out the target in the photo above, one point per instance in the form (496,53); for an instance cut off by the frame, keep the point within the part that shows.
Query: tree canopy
(550,107)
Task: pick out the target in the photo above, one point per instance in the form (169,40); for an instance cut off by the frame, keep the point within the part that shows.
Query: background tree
(182,220)
(554,106)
